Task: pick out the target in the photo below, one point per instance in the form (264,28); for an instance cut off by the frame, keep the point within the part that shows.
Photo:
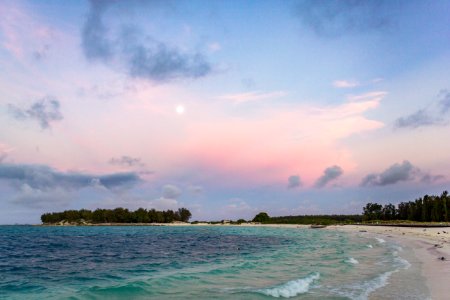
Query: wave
(374,284)
(381,241)
(351,260)
(291,288)
(362,290)
(369,246)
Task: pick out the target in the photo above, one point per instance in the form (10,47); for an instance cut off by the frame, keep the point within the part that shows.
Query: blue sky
(227,108)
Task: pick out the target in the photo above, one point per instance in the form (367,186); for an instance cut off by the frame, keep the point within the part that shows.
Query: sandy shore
(428,245)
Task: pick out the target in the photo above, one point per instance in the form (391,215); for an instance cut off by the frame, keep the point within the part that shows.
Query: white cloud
(38,198)
(370,96)
(164,204)
(345,84)
(238,208)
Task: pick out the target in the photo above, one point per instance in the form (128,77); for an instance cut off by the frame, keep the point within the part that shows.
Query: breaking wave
(291,288)
(351,260)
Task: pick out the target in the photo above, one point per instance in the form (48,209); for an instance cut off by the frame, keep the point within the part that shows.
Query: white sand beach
(429,246)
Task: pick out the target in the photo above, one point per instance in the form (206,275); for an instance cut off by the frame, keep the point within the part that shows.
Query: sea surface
(202,262)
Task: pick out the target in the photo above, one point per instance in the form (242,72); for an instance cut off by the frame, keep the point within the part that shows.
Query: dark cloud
(45,111)
(370,179)
(329,174)
(160,63)
(142,56)
(126,161)
(392,175)
(418,119)
(339,17)
(45,178)
(294,181)
(170,192)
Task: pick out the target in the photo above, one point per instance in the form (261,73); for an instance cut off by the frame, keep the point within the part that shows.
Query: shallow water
(222,262)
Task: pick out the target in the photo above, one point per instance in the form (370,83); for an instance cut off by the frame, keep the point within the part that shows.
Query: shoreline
(427,244)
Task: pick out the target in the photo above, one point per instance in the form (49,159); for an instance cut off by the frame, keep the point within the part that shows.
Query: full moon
(179,109)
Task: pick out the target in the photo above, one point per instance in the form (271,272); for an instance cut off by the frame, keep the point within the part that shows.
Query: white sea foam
(362,290)
(374,284)
(291,288)
(351,260)
(369,246)
(381,241)
(402,263)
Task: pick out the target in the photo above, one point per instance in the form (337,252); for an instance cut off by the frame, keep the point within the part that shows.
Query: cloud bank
(45,178)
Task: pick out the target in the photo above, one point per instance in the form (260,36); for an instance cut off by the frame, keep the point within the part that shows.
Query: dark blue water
(186,262)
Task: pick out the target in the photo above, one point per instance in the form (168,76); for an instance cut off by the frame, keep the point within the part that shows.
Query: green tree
(444,198)
(141,216)
(372,211)
(261,217)
(184,214)
(389,212)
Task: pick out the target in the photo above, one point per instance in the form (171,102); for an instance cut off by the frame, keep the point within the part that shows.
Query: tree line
(425,209)
(117,215)
(264,218)
(429,208)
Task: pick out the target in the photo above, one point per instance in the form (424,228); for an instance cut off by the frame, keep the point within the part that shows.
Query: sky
(227,108)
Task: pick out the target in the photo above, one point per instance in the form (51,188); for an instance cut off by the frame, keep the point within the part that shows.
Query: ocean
(202,262)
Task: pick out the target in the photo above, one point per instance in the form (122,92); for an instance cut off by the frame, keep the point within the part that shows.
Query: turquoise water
(222,262)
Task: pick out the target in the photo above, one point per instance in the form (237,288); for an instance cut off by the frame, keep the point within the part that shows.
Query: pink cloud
(267,148)
(207,144)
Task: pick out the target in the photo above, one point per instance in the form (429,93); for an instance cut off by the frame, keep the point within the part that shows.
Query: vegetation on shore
(426,209)
(117,215)
(308,219)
